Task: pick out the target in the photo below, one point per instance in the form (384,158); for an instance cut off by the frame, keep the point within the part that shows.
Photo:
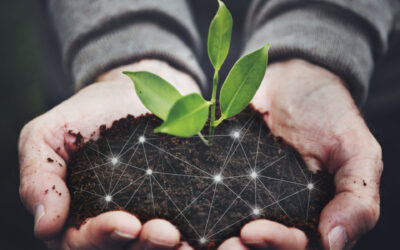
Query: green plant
(186,116)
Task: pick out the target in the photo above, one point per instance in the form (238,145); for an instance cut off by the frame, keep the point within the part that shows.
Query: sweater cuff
(324,37)
(131,44)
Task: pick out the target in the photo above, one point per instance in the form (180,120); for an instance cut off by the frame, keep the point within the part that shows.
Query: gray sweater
(347,37)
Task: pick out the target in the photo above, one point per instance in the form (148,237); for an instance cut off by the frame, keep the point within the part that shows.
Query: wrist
(182,81)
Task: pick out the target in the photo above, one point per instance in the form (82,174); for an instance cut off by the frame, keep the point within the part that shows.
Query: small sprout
(142,139)
(310,186)
(186,116)
(253,175)
(149,171)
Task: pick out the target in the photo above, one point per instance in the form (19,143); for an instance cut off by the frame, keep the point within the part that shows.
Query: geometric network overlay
(209,193)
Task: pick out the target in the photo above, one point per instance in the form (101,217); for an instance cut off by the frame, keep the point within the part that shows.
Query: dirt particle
(58,149)
(59,164)
(53,187)
(46,191)
(78,138)
(59,194)
(50,160)
(364,183)
(103,128)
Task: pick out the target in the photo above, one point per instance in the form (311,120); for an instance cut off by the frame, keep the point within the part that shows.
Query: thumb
(42,187)
(355,207)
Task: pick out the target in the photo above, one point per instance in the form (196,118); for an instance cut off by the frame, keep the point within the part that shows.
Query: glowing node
(202,240)
(142,139)
(114,161)
(256,211)
(108,198)
(236,134)
(218,178)
(253,174)
(149,171)
(310,186)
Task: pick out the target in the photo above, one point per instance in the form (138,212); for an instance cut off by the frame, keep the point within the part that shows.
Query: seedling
(186,116)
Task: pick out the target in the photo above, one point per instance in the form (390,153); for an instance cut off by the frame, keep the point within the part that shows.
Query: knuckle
(27,131)
(377,149)
(370,213)
(376,154)
(24,193)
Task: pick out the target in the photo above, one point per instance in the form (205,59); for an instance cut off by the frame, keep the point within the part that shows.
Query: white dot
(114,161)
(149,171)
(310,186)
(108,198)
(253,174)
(256,211)
(236,134)
(202,240)
(142,139)
(218,178)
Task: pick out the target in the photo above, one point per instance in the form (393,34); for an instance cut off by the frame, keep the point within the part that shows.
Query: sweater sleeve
(346,37)
(98,35)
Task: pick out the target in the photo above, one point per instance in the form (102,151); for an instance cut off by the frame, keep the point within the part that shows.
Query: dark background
(31,83)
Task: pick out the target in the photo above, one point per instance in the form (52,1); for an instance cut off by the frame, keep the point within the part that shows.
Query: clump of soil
(209,193)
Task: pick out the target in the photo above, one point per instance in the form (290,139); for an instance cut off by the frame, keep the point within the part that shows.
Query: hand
(47,137)
(311,109)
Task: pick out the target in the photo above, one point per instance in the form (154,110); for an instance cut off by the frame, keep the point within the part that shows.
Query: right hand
(47,136)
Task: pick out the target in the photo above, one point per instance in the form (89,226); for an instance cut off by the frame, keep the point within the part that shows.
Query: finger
(111,230)
(355,208)
(185,246)
(157,234)
(232,244)
(42,186)
(269,234)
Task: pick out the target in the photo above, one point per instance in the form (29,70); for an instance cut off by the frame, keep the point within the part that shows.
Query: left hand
(312,110)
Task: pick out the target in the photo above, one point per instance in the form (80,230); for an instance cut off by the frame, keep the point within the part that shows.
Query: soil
(209,193)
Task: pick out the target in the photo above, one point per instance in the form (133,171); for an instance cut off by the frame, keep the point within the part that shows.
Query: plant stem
(216,123)
(203,139)
(213,102)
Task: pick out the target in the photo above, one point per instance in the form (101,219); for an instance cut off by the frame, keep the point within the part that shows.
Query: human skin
(306,105)
(312,110)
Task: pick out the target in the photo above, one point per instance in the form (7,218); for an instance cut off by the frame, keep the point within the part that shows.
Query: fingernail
(257,244)
(39,213)
(158,243)
(120,236)
(337,238)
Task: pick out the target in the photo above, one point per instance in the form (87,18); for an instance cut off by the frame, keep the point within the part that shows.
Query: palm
(49,136)
(311,109)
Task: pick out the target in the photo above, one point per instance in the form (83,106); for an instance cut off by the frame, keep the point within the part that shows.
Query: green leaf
(186,117)
(243,81)
(219,36)
(156,94)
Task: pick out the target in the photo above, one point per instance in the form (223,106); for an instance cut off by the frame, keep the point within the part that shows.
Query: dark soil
(174,178)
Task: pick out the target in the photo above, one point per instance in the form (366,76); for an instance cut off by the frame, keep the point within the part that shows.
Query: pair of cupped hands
(306,105)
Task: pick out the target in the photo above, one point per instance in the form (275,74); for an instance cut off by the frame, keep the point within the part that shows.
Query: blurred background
(32,82)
